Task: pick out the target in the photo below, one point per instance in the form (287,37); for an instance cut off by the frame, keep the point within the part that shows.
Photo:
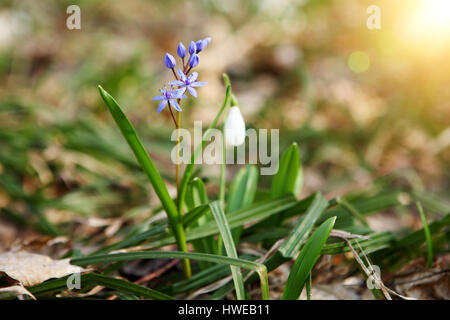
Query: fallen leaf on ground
(31,268)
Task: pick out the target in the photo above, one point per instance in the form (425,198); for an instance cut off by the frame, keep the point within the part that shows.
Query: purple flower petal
(192,91)
(177,94)
(198,84)
(193,77)
(176,83)
(175,104)
(162,105)
(182,75)
(159,98)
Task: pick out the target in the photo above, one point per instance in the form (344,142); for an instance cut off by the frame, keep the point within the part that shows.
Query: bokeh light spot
(358,61)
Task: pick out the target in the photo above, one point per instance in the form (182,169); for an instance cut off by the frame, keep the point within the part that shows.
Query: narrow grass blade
(134,240)
(201,278)
(364,206)
(219,216)
(193,217)
(130,256)
(301,232)
(125,286)
(427,234)
(418,237)
(433,202)
(352,210)
(55,285)
(306,260)
(149,168)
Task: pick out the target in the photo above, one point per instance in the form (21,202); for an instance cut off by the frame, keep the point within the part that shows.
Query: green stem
(177,168)
(190,167)
(427,234)
(262,272)
(182,245)
(223,166)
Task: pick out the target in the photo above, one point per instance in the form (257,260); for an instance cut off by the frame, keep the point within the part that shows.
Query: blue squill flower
(169,60)
(181,50)
(170,97)
(193,60)
(188,83)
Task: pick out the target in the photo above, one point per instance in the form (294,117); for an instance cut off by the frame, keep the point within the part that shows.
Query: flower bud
(193,60)
(192,47)
(169,60)
(200,44)
(181,50)
(234,127)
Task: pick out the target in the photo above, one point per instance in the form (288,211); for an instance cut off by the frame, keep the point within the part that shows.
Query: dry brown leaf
(31,269)
(17,291)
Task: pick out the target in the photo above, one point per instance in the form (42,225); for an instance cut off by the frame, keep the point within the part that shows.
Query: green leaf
(352,210)
(289,178)
(306,260)
(196,194)
(242,189)
(304,226)
(197,198)
(202,278)
(149,168)
(193,217)
(141,154)
(257,211)
(130,256)
(60,284)
(242,194)
(126,286)
(219,216)
(135,239)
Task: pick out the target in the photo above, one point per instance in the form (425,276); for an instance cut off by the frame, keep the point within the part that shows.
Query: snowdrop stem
(223,167)
(234,101)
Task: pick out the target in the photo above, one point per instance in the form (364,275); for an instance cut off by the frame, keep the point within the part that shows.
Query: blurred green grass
(61,156)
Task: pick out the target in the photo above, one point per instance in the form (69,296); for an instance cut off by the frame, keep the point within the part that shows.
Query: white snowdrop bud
(234,127)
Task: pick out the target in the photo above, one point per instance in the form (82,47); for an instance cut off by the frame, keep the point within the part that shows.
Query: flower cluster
(184,79)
